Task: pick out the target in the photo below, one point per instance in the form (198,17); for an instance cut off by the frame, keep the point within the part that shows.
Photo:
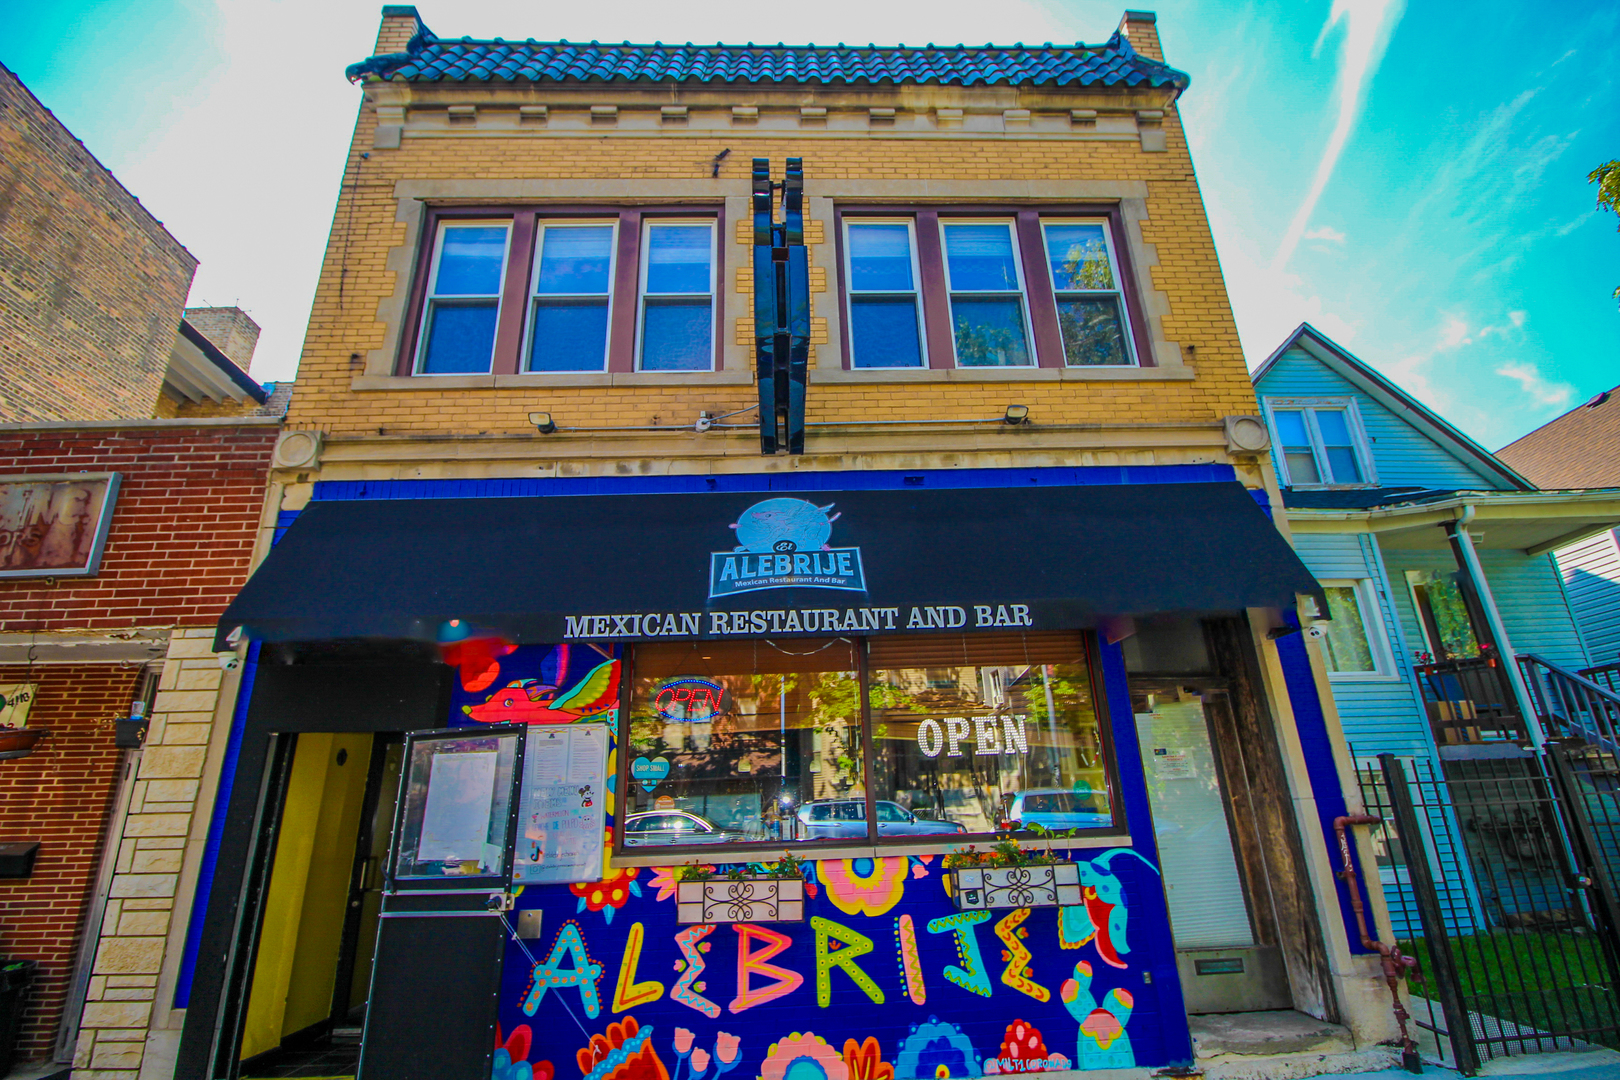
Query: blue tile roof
(430,59)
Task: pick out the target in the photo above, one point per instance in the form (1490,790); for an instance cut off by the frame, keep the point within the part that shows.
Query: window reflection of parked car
(823,818)
(661,827)
(1058,809)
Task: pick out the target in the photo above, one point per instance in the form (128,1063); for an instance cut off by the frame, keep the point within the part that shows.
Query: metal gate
(1501,871)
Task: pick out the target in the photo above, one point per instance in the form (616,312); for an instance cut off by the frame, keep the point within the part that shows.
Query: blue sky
(1409,177)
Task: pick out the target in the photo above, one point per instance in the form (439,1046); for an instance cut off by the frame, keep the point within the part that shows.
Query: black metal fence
(1499,876)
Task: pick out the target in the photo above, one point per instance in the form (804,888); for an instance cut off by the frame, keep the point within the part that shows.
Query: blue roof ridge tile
(431,59)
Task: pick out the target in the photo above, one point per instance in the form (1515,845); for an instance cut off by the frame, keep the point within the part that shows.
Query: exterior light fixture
(1017,414)
(543,423)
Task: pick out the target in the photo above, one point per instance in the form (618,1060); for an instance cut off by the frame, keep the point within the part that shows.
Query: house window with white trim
(1353,642)
(1321,445)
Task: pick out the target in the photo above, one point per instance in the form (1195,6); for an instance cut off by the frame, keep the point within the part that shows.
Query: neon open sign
(688,699)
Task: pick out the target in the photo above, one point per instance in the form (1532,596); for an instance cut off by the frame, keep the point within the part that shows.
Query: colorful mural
(884,980)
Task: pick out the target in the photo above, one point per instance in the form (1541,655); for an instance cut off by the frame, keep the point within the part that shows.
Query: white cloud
(1367,28)
(1545,392)
(1326,232)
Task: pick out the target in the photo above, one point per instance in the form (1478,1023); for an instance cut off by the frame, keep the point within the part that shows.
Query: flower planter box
(749,899)
(984,887)
(18,742)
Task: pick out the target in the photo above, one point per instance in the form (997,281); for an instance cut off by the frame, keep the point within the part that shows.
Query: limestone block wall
(129,1026)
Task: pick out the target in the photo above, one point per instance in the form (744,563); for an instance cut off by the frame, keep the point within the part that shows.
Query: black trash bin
(16,976)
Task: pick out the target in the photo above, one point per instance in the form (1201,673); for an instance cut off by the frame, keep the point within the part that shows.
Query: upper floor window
(987,295)
(1090,307)
(1320,444)
(885,304)
(573,297)
(542,291)
(946,288)
(677,297)
(464,299)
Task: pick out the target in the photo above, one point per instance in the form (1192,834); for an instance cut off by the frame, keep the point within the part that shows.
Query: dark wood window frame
(898,845)
(625,301)
(1038,294)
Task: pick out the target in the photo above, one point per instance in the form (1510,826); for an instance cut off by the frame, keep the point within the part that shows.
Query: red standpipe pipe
(1395,965)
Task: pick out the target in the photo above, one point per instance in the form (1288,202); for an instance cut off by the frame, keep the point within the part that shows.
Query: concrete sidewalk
(1596,1064)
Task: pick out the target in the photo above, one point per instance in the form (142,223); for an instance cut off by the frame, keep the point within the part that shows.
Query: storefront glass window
(975,733)
(745,742)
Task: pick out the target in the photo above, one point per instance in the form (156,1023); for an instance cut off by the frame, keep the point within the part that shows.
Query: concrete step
(1282,1031)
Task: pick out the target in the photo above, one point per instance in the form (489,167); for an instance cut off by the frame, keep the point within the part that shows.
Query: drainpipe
(1462,546)
(1394,964)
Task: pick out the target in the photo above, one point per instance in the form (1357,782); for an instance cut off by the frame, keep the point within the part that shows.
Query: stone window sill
(550,381)
(712,853)
(1179,373)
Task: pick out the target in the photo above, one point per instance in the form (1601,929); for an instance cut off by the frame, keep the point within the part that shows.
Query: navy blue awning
(761,565)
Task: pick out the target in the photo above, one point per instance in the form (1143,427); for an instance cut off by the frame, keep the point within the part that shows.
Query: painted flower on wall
(511,1061)
(936,1050)
(864,886)
(865,1060)
(611,893)
(803,1057)
(624,1052)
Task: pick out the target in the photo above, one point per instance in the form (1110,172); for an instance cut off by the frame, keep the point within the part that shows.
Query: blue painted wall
(1103,994)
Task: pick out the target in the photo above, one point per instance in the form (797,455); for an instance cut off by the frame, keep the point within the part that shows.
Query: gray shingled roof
(429,59)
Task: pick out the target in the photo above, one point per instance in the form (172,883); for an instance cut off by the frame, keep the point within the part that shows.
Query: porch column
(1462,548)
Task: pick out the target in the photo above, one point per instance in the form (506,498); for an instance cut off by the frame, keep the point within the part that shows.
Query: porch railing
(1605,675)
(1471,701)
(1571,705)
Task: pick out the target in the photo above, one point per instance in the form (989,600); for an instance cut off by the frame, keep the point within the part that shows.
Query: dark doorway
(311,971)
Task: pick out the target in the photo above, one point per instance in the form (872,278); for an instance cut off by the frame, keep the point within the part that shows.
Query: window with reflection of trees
(766,742)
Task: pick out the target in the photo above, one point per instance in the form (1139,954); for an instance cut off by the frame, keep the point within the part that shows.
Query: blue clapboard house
(1449,640)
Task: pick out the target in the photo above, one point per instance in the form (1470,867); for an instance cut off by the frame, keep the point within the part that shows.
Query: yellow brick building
(533,355)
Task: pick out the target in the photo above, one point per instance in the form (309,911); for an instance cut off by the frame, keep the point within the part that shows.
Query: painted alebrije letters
(687,989)
(971,975)
(849,947)
(627,993)
(1102,1042)
(751,963)
(1102,916)
(548,975)
(911,973)
(803,1057)
(864,886)
(936,1050)
(625,1052)
(1017,956)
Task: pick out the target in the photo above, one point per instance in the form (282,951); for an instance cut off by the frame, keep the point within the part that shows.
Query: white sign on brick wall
(15,699)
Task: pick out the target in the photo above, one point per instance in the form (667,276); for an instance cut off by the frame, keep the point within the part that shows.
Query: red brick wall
(182,530)
(60,795)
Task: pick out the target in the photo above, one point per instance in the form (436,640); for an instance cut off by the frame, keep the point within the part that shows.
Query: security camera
(1316,630)
(228,661)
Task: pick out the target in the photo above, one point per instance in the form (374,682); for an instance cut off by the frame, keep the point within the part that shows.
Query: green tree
(1607,178)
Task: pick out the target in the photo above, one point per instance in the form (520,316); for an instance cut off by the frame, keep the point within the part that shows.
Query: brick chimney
(399,24)
(1141,28)
(231,330)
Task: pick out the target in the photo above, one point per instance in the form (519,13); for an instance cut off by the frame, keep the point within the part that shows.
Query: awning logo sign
(782,544)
